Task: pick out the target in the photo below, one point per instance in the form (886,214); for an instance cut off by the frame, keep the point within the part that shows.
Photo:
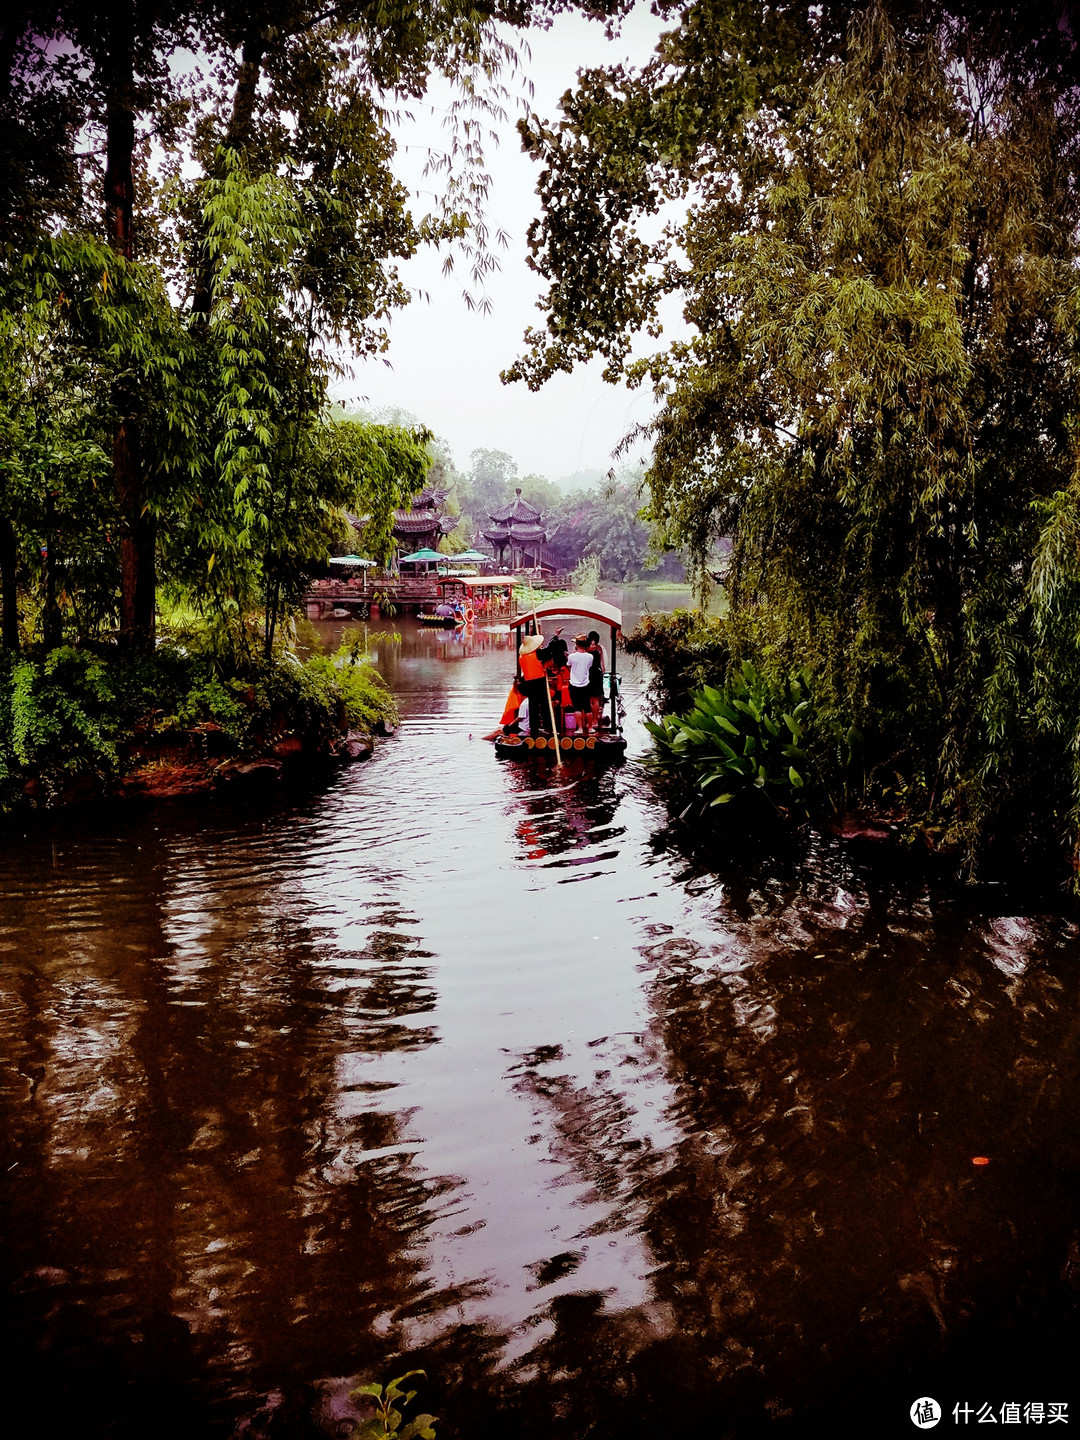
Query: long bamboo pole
(554,727)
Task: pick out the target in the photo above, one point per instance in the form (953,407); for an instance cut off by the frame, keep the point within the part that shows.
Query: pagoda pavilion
(518,531)
(424,524)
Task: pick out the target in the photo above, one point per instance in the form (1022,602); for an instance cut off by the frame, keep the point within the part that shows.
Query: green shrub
(364,693)
(207,698)
(748,736)
(74,712)
(58,718)
(388,1422)
(318,698)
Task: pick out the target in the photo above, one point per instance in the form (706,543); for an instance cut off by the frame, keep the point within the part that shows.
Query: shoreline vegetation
(869,427)
(755,747)
(204,709)
(85,724)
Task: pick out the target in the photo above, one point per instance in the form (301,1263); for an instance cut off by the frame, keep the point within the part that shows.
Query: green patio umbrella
(424,554)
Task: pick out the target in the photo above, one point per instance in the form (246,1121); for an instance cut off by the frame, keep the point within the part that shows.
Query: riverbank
(78,725)
(885,771)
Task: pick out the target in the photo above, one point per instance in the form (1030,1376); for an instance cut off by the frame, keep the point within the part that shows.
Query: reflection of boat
(608,743)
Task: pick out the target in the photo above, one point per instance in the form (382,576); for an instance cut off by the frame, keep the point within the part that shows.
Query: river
(458,1064)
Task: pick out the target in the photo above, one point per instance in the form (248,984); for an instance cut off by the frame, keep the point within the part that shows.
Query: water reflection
(456,1061)
(200,1185)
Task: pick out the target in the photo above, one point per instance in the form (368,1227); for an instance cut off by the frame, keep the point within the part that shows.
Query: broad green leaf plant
(747,736)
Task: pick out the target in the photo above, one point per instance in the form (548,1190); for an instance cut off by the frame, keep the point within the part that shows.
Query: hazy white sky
(444,359)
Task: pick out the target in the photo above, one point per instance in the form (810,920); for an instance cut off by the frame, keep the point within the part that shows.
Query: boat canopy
(586,606)
(479,582)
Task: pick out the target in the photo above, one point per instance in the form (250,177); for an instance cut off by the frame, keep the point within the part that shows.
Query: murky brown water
(455,1064)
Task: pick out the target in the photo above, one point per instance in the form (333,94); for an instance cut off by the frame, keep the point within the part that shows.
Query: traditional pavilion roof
(421,522)
(424,516)
(519,534)
(430,499)
(519,510)
(527,532)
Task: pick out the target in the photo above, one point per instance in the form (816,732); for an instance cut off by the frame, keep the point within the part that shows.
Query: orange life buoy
(470,615)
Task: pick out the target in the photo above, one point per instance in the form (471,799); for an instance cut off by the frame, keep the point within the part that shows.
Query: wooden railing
(407,591)
(407,595)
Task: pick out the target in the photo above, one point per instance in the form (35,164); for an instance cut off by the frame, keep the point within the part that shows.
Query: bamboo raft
(607,745)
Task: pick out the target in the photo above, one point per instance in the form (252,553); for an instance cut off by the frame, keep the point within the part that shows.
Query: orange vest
(531,667)
(513,705)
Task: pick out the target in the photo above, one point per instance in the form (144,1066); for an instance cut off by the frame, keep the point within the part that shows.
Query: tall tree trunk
(137,541)
(9,611)
(139,537)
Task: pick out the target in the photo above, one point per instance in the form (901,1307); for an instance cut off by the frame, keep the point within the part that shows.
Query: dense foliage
(878,403)
(68,715)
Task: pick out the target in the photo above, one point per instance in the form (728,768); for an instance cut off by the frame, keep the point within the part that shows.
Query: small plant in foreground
(386,1420)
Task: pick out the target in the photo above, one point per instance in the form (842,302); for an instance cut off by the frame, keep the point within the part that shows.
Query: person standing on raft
(596,678)
(533,682)
(580,663)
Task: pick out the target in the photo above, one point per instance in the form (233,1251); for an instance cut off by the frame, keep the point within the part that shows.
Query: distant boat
(441,616)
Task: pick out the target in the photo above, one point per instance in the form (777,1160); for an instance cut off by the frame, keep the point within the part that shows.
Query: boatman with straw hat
(533,682)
